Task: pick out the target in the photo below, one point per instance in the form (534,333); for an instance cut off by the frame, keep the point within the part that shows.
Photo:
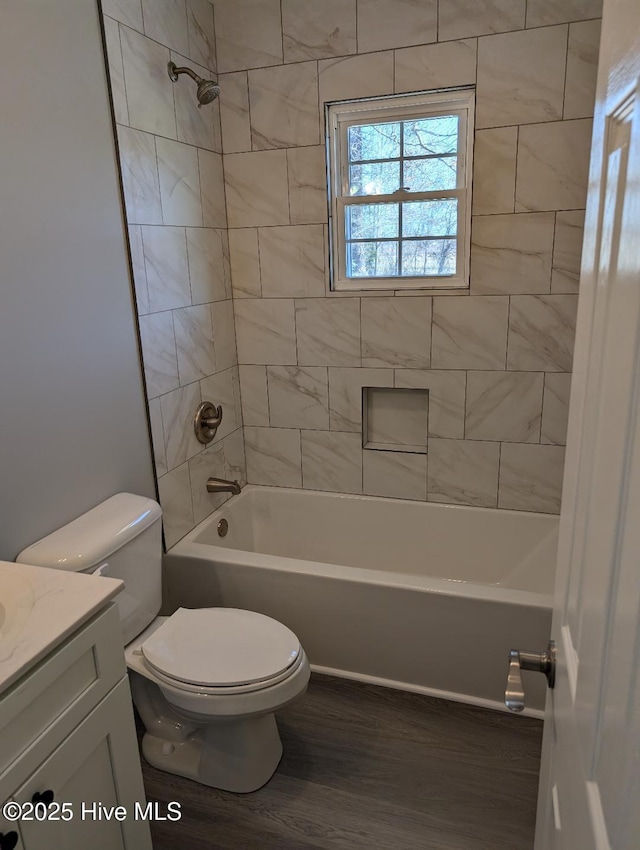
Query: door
(590,780)
(94,770)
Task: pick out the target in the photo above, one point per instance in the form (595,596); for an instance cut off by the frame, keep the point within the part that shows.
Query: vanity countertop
(39,608)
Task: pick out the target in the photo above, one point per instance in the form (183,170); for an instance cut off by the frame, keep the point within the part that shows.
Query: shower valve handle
(539,662)
(207,421)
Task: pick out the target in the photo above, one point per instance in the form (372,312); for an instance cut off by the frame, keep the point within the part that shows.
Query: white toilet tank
(120,538)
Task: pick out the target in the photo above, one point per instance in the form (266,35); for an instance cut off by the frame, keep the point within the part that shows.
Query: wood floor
(373,769)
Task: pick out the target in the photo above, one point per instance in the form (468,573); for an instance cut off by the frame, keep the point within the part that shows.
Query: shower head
(208,90)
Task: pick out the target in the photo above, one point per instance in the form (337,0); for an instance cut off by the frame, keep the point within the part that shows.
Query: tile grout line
(499,474)
(515,176)
(544,393)
(506,353)
(566,68)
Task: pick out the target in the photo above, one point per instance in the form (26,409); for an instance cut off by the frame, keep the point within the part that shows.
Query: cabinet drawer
(54,697)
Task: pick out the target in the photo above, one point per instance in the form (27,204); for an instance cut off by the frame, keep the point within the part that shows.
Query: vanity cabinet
(68,729)
(9,835)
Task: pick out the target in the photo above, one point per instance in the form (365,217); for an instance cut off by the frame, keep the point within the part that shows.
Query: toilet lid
(221,646)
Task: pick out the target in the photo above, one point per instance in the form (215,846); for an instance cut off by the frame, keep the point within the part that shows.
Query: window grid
(401,205)
(375,198)
(399,110)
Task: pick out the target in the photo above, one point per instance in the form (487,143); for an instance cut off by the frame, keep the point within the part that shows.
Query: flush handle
(207,421)
(539,662)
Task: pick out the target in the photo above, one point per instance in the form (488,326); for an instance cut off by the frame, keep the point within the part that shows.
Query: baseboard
(420,689)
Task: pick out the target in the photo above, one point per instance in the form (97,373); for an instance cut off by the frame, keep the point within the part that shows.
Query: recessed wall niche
(395,420)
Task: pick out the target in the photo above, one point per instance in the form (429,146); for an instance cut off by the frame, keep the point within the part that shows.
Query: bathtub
(413,595)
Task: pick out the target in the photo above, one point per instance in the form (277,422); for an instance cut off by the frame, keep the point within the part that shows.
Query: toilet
(207,681)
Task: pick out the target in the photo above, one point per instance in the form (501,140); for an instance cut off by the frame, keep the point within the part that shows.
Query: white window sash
(340,118)
(423,281)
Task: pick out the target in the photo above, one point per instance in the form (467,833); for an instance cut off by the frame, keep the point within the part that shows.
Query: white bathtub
(414,595)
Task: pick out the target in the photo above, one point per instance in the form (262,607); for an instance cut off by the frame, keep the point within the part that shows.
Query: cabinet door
(10,833)
(97,767)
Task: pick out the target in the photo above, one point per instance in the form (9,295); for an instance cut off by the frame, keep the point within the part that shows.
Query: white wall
(73,427)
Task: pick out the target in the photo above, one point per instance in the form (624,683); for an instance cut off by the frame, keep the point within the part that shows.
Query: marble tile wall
(170,154)
(495,361)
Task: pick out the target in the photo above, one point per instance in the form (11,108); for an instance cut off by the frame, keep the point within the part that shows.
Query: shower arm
(174,71)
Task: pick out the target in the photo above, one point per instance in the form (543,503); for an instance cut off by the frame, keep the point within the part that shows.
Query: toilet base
(232,755)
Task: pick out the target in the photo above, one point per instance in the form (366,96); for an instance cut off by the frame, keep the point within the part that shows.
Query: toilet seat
(221,650)
(223,690)
(209,704)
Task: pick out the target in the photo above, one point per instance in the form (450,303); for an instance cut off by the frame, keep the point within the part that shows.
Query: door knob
(44,797)
(539,662)
(8,840)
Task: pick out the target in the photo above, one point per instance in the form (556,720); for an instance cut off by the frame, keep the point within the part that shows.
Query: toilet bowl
(207,681)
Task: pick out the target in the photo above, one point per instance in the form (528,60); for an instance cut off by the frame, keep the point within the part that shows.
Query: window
(400,191)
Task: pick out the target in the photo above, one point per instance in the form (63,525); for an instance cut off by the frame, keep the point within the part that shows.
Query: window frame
(341,115)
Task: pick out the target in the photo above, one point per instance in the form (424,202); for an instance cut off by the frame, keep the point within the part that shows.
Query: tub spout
(221,485)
